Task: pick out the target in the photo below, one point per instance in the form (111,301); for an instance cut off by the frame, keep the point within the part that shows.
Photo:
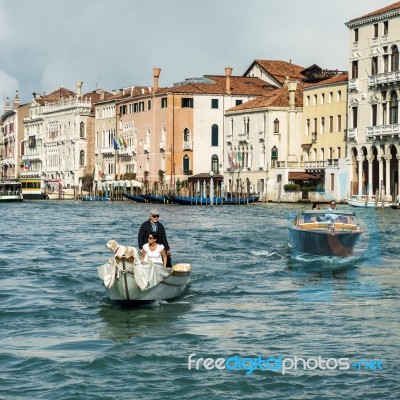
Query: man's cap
(154,211)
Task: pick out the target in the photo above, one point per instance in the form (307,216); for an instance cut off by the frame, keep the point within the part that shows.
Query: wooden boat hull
(338,244)
(125,287)
(324,233)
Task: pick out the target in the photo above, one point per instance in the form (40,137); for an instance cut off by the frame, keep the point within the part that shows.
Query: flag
(27,165)
(231,163)
(239,159)
(115,145)
(100,170)
(125,143)
(120,142)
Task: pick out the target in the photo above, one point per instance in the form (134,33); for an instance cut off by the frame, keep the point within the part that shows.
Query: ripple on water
(62,338)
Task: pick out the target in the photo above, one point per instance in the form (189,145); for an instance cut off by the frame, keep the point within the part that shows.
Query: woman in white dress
(153,252)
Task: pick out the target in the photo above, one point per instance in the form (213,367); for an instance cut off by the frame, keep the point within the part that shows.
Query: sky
(112,44)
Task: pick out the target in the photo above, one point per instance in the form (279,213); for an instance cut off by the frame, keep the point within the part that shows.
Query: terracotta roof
(339,78)
(393,6)
(277,98)
(239,85)
(279,69)
(53,96)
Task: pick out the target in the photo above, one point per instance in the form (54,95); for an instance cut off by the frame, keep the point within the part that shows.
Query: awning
(301,176)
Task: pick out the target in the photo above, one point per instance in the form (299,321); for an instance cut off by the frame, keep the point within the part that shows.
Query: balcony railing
(353,84)
(383,131)
(352,134)
(301,164)
(385,78)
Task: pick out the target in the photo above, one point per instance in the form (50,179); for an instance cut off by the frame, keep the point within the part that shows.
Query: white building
(374,92)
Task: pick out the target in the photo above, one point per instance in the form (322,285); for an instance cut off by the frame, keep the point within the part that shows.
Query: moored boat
(10,191)
(366,201)
(324,233)
(240,200)
(216,201)
(196,201)
(33,188)
(155,199)
(136,198)
(95,198)
(126,280)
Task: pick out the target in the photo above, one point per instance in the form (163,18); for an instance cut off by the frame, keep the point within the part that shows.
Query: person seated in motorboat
(315,207)
(153,252)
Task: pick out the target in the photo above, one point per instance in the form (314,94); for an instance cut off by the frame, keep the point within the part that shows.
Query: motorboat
(130,280)
(366,201)
(324,233)
(10,191)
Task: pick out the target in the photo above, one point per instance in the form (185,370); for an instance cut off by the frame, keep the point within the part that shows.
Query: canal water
(266,326)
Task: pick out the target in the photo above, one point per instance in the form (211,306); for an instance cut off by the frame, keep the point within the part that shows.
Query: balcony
(309,165)
(332,162)
(353,84)
(383,131)
(352,134)
(384,79)
(187,146)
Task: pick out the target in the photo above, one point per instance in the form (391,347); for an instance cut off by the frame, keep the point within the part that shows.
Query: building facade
(374,91)
(323,143)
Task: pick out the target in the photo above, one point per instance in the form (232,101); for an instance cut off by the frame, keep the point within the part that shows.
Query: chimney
(7,105)
(156,75)
(228,73)
(102,95)
(79,88)
(292,86)
(16,101)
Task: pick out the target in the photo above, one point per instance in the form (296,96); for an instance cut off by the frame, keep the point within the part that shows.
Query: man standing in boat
(154,225)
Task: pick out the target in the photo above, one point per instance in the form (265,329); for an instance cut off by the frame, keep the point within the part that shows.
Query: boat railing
(9,192)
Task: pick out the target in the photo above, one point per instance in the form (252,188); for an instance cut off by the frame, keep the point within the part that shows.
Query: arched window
(395,58)
(215,164)
(82,158)
(214,135)
(82,130)
(186,135)
(186,164)
(276,125)
(274,156)
(394,110)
